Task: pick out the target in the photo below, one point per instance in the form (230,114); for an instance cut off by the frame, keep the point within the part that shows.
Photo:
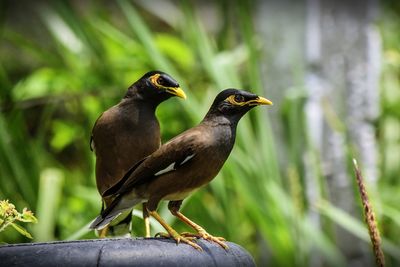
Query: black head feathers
(234,103)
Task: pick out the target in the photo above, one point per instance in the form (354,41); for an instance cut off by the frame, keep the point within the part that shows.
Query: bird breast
(178,195)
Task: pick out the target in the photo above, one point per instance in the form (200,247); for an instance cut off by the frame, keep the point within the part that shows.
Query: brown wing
(114,189)
(167,158)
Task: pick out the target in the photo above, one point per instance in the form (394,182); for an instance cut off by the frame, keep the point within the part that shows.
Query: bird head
(233,104)
(158,85)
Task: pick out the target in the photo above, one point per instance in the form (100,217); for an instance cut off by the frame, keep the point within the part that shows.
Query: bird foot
(180,238)
(203,234)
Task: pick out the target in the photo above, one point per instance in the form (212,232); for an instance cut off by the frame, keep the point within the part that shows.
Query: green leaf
(21,230)
(64,133)
(354,226)
(27,216)
(44,82)
(175,49)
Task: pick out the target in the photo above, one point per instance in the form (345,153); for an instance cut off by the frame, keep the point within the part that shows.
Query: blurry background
(287,193)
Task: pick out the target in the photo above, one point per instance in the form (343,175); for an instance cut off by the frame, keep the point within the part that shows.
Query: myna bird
(182,165)
(129,131)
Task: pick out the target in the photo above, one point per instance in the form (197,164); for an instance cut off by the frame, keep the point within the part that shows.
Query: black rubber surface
(123,252)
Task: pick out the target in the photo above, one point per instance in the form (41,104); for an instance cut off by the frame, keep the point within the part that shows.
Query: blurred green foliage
(77,60)
(9,216)
(389,122)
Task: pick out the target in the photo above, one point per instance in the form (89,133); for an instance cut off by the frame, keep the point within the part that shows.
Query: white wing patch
(187,159)
(172,166)
(168,169)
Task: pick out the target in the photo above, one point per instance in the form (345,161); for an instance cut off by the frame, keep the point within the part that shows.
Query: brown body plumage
(123,135)
(182,165)
(129,131)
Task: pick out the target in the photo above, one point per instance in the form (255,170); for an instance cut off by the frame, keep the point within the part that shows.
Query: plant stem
(370,218)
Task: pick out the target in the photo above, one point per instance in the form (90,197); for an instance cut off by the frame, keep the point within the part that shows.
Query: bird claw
(166,235)
(180,238)
(208,237)
(163,235)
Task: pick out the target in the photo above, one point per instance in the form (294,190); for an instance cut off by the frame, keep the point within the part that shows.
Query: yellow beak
(177,91)
(261,101)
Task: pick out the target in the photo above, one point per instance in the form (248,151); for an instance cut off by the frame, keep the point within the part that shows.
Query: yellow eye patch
(231,99)
(253,102)
(154,80)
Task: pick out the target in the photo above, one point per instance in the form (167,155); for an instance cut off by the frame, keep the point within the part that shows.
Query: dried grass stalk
(370,218)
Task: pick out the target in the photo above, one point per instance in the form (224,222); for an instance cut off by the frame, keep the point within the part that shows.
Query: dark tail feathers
(106,215)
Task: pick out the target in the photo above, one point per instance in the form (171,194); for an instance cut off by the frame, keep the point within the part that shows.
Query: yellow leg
(146,220)
(103,232)
(201,233)
(172,233)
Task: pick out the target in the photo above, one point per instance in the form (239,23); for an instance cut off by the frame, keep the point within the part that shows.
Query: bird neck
(132,93)
(223,130)
(221,122)
(136,103)
(214,117)
(135,96)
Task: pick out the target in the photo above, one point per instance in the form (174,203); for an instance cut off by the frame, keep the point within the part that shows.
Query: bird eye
(239,98)
(160,80)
